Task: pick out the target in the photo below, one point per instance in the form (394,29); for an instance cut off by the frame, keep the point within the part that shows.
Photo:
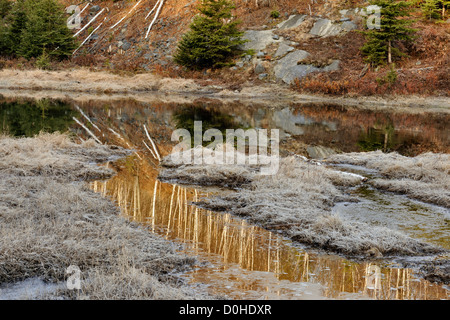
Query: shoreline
(82,84)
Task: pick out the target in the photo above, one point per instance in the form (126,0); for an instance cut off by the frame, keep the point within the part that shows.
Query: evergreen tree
(430,9)
(5,7)
(379,46)
(214,38)
(46,29)
(13,34)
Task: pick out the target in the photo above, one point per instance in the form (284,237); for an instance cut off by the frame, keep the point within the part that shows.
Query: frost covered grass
(50,219)
(425,177)
(297,201)
(182,167)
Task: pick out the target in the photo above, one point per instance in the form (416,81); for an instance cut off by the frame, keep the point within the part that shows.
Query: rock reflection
(247,261)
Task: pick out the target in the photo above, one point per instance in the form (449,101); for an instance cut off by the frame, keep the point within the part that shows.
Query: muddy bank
(84,84)
(297,201)
(50,220)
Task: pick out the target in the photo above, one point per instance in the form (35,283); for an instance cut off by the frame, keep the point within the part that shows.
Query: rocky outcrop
(288,68)
(258,40)
(293,22)
(287,63)
(326,28)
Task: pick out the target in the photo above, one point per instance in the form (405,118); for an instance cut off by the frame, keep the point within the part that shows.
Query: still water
(240,260)
(245,261)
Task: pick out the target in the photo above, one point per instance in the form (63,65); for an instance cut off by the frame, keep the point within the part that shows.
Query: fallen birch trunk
(154,18)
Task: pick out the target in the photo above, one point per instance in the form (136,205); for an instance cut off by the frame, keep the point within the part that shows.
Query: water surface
(241,260)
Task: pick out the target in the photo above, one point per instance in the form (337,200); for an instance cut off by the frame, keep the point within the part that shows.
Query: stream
(239,260)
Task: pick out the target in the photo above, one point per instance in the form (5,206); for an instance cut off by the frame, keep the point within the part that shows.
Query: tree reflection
(211,118)
(29,117)
(168,210)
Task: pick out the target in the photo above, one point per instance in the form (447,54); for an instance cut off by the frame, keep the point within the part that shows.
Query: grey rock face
(293,21)
(283,49)
(288,69)
(325,28)
(258,40)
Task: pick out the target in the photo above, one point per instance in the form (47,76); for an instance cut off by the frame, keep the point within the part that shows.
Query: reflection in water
(346,129)
(29,117)
(249,262)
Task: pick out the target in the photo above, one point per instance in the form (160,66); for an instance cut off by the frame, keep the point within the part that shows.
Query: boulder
(348,26)
(95,8)
(263,76)
(124,45)
(258,40)
(287,69)
(259,68)
(283,49)
(293,22)
(325,28)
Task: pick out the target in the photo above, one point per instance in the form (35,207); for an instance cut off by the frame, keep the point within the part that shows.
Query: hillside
(313,47)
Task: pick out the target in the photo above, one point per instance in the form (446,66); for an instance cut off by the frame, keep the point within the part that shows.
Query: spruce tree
(5,7)
(13,34)
(379,47)
(46,29)
(430,9)
(213,39)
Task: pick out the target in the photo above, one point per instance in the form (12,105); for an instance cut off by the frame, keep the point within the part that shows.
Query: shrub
(275,14)
(43,61)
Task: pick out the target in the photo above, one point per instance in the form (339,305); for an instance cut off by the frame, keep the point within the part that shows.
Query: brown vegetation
(424,72)
(50,219)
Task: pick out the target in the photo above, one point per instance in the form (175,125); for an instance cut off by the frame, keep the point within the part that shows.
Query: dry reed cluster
(50,219)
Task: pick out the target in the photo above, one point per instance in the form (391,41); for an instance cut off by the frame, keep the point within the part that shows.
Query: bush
(275,14)
(390,78)
(43,61)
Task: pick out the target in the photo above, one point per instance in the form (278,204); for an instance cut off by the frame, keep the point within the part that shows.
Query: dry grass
(298,201)
(84,80)
(424,177)
(50,219)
